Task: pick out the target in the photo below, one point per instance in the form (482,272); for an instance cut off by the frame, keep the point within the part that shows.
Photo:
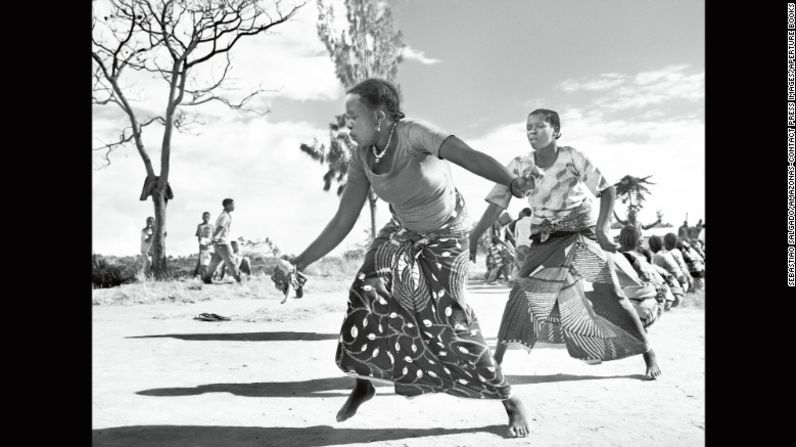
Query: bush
(332,266)
(104,274)
(112,271)
(356,254)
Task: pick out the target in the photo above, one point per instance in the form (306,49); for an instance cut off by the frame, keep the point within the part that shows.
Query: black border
(48,75)
(747,303)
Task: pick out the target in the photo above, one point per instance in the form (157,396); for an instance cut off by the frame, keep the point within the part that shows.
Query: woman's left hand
(604,239)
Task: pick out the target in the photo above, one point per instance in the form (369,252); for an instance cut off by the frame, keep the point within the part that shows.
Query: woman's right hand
(281,276)
(521,186)
(604,240)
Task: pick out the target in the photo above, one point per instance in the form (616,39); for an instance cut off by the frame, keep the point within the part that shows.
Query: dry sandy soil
(268,378)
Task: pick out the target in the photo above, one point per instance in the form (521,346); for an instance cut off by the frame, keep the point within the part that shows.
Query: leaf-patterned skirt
(421,336)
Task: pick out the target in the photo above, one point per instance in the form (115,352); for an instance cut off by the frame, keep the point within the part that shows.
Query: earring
(378,127)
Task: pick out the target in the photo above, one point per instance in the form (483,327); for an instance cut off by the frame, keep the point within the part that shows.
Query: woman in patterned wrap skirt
(567,291)
(407,321)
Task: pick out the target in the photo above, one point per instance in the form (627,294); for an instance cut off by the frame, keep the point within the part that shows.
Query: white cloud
(412,54)
(291,59)
(667,144)
(605,81)
(624,92)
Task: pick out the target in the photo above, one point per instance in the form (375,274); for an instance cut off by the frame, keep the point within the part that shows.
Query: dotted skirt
(418,332)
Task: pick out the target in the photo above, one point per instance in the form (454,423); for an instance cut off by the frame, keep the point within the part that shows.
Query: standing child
(204,234)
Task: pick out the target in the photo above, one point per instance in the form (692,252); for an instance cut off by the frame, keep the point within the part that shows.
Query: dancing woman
(407,321)
(566,289)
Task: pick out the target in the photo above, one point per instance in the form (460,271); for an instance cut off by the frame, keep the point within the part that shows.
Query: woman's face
(540,133)
(360,120)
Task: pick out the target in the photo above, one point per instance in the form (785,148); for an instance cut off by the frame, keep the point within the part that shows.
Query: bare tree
(369,48)
(170,39)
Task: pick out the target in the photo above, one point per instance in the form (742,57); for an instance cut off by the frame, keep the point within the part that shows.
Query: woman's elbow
(608,192)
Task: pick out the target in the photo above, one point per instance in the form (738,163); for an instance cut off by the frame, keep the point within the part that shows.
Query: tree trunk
(372,198)
(159,238)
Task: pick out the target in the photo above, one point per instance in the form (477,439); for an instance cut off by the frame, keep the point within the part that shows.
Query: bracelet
(292,261)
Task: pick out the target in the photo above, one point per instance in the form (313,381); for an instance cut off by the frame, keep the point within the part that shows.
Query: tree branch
(185,123)
(197,93)
(241,32)
(124,138)
(234,106)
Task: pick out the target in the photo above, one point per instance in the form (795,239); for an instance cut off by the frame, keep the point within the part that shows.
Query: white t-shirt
(522,232)
(146,239)
(419,186)
(224,220)
(564,188)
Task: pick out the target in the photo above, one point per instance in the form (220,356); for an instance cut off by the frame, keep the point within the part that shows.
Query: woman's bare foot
(653,371)
(518,419)
(361,393)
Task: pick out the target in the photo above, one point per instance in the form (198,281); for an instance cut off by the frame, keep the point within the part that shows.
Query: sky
(626,76)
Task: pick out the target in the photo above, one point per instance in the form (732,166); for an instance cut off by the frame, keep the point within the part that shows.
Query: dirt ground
(268,378)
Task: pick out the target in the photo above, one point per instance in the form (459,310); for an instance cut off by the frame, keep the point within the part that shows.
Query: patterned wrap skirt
(421,336)
(567,292)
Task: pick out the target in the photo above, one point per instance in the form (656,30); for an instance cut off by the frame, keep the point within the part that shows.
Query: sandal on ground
(210,317)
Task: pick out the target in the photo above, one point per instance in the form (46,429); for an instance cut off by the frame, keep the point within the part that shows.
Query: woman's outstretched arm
(490,214)
(458,152)
(354,195)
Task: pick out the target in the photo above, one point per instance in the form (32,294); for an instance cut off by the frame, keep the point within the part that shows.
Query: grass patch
(184,290)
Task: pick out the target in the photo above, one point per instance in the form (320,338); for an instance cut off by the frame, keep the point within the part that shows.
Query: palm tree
(633,191)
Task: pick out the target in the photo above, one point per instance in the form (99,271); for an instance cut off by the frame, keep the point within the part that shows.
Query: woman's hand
(604,239)
(286,275)
(521,186)
(281,276)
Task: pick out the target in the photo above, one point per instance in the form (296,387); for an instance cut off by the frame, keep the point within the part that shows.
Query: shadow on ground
(315,436)
(338,386)
(247,336)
